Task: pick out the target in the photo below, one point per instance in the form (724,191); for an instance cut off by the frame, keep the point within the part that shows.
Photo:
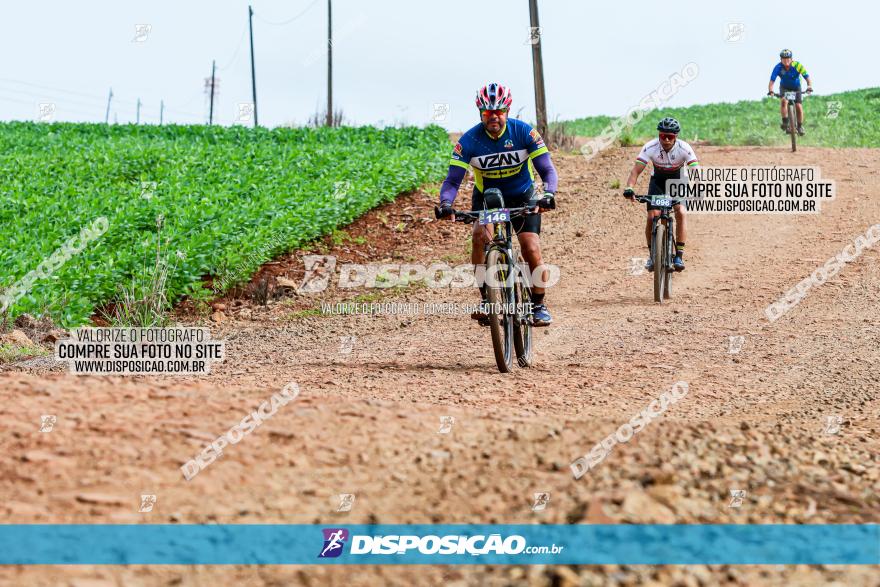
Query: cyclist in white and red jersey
(669,157)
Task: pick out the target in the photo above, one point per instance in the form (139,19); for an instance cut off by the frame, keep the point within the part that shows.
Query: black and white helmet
(785,53)
(669,124)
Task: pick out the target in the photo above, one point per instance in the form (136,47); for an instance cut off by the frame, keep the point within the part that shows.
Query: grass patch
(10,353)
(845,119)
(304,313)
(341,237)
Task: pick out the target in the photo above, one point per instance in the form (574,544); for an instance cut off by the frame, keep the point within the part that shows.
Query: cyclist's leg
(783,108)
(799,105)
(680,222)
(480,237)
(530,246)
(654,189)
(528,230)
(680,233)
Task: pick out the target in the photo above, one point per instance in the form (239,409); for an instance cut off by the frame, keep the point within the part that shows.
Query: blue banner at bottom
(454,544)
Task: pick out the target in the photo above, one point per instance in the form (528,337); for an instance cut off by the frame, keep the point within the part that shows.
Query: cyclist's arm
(544,167)
(638,167)
(690,159)
(449,189)
(773,75)
(457,167)
(803,71)
(539,155)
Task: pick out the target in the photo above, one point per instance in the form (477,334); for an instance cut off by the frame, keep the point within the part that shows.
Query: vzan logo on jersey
(496,160)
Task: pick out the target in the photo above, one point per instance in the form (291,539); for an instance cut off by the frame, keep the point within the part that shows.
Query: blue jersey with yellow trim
(790,78)
(503,163)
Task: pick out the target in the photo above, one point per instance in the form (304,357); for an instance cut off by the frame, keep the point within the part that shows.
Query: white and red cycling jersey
(667,164)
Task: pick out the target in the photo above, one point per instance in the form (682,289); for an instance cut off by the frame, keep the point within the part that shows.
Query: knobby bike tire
(657,251)
(500,325)
(670,254)
(522,330)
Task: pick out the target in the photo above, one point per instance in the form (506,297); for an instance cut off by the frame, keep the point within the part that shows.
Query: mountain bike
(508,287)
(791,96)
(662,244)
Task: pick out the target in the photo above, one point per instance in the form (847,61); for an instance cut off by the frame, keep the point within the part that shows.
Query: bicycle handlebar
(650,199)
(782,94)
(472,215)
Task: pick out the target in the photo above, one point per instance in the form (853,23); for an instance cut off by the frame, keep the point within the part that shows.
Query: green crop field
(228,199)
(756,122)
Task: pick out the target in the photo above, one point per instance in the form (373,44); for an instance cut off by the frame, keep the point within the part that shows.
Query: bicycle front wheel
(658,252)
(670,255)
(499,287)
(792,125)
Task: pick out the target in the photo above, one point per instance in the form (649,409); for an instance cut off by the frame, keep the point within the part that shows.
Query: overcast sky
(395,59)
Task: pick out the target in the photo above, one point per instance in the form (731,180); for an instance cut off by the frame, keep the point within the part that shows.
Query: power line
(33,104)
(237,49)
(65,103)
(48,97)
(83,94)
(307,8)
(97,98)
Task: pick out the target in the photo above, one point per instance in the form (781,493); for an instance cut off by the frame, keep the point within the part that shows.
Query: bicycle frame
(663,266)
(668,218)
(510,322)
(502,240)
(788,98)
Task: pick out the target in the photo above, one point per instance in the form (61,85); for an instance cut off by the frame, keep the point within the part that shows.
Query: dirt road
(374,390)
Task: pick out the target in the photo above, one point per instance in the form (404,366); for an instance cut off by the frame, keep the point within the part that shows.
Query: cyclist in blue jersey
(504,153)
(789,73)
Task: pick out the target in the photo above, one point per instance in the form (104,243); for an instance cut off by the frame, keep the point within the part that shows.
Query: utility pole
(161,111)
(253,71)
(213,82)
(537,65)
(138,116)
(329,63)
(107,114)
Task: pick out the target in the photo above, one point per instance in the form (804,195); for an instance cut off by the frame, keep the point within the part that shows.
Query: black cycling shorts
(528,223)
(657,187)
(800,97)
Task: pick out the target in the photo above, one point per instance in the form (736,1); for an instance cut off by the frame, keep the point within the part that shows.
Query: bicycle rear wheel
(522,320)
(500,292)
(658,252)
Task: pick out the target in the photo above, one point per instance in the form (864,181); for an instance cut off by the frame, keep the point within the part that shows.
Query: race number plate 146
(494,216)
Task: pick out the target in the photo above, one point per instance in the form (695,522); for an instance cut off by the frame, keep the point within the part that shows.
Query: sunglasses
(488,113)
(667,136)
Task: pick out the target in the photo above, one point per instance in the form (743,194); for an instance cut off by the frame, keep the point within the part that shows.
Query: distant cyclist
(503,154)
(668,156)
(789,73)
